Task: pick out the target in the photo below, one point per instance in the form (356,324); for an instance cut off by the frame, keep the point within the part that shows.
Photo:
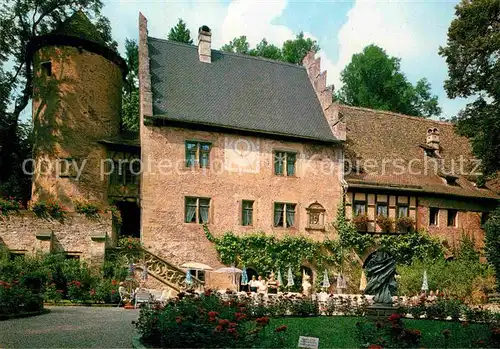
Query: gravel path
(71,327)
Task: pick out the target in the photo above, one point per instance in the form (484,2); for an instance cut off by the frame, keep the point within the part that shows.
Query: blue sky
(411,30)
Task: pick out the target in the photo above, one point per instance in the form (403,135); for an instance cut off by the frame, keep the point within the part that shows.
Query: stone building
(238,143)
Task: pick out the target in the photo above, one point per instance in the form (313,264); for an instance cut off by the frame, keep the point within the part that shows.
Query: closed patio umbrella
(189,279)
(289,280)
(425,286)
(326,281)
(362,282)
(280,280)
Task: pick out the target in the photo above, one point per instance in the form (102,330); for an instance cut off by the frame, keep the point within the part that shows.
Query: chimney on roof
(433,138)
(205,44)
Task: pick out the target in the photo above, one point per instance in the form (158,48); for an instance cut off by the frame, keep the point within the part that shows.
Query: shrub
(207,321)
(492,243)
(415,245)
(385,223)
(9,204)
(361,222)
(91,211)
(48,209)
(404,224)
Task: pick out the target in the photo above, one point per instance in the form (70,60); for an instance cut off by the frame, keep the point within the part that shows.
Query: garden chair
(123,294)
(142,296)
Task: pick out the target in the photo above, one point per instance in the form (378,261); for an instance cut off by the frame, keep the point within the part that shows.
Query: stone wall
(75,105)
(77,235)
(241,168)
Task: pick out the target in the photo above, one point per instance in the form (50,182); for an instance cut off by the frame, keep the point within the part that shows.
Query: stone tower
(77,86)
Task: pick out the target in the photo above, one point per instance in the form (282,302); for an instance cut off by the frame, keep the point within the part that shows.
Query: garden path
(71,327)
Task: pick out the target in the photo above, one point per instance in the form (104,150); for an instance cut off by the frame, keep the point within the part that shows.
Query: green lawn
(341,332)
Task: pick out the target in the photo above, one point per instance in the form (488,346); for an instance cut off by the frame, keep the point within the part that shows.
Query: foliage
(90,210)
(129,242)
(385,223)
(391,333)
(414,245)
(9,204)
(361,221)
(348,235)
(405,223)
(374,80)
(180,33)
(115,213)
(492,243)
(207,321)
(292,51)
(49,209)
(130,94)
(20,21)
(471,54)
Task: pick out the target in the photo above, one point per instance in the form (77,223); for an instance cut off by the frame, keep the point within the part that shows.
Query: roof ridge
(377,111)
(241,55)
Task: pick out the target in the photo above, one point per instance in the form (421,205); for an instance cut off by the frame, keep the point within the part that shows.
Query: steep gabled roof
(235,91)
(394,142)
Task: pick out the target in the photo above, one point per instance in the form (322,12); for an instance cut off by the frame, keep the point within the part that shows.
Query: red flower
(232,324)
(281,328)
(394,317)
(375,346)
(219,328)
(92,292)
(231,330)
(213,314)
(223,322)
(496,331)
(114,282)
(262,320)
(113,291)
(178,319)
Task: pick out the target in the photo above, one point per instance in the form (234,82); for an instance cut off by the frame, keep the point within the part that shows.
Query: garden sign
(308,342)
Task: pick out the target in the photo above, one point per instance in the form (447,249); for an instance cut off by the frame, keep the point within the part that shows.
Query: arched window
(315,216)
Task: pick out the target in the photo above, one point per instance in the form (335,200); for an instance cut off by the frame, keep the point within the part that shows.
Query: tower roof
(79,25)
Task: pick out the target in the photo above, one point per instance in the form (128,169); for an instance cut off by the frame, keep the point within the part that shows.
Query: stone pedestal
(380,312)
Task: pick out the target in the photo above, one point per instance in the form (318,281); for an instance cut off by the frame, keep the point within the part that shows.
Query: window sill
(315,229)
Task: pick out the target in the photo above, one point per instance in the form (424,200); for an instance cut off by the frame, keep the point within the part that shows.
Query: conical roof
(79,25)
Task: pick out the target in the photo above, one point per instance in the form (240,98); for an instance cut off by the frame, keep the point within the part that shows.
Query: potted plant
(404,224)
(361,222)
(385,223)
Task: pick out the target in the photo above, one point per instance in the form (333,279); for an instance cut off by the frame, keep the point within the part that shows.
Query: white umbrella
(280,280)
(228,270)
(289,280)
(425,286)
(362,281)
(196,266)
(326,281)
(189,279)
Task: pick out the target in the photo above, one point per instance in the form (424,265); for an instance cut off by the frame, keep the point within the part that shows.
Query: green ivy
(412,245)
(492,243)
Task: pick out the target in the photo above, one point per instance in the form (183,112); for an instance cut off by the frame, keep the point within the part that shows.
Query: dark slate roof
(234,91)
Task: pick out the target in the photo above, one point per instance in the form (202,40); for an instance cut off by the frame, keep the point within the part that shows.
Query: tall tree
(180,33)
(237,45)
(292,51)
(130,97)
(472,53)
(295,50)
(373,79)
(20,21)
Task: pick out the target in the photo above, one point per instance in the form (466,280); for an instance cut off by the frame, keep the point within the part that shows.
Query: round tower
(77,87)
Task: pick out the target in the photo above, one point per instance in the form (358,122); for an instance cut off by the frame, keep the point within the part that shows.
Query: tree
(373,79)
(180,33)
(20,21)
(237,45)
(130,97)
(492,243)
(295,50)
(472,55)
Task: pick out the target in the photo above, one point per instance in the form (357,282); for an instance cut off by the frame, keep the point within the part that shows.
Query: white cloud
(387,24)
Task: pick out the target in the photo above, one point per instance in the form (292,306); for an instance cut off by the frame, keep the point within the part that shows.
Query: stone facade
(76,103)
(167,182)
(77,235)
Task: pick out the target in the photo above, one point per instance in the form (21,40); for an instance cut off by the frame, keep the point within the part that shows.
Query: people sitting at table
(254,284)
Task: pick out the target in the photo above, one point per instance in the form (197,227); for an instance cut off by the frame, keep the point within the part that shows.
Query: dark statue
(380,269)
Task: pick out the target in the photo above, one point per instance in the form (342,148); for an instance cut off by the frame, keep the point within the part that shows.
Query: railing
(157,267)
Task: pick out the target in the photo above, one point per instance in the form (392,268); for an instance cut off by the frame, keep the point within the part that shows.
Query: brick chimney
(433,138)
(205,44)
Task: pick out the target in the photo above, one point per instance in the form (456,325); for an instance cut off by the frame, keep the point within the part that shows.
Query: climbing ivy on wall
(267,253)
